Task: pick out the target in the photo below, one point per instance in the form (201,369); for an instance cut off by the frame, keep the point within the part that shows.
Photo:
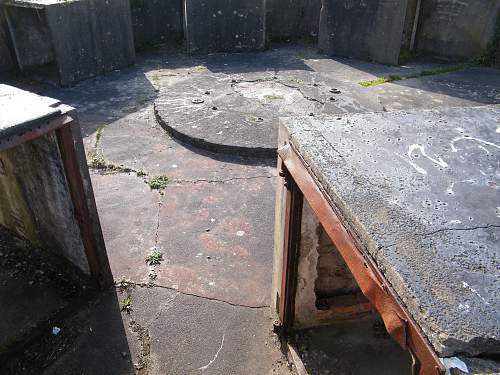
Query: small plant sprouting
(126,305)
(155,258)
(158,182)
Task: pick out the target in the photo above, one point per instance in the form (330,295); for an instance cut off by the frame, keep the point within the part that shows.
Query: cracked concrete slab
(105,341)
(419,190)
(217,240)
(213,337)
(128,211)
(150,150)
(230,105)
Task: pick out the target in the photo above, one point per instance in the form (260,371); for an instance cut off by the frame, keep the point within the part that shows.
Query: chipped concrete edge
(294,358)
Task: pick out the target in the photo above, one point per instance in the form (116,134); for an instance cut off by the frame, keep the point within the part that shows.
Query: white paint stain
(455,222)
(454,363)
(417,168)
(463,306)
(436,160)
(466,137)
(450,191)
(203,368)
(467,286)
(240,233)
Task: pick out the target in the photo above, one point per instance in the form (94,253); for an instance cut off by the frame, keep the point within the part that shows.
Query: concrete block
(71,40)
(457,29)
(155,21)
(293,18)
(37,195)
(367,30)
(224,25)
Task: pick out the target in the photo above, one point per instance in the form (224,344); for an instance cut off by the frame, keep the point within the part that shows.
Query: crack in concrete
(457,229)
(487,226)
(222,180)
(279,81)
(153,285)
(144,339)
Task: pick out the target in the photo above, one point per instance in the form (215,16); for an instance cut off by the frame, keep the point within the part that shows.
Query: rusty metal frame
(293,216)
(62,126)
(398,322)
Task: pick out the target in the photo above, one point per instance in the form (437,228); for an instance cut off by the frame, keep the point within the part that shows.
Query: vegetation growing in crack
(424,73)
(158,182)
(155,258)
(126,305)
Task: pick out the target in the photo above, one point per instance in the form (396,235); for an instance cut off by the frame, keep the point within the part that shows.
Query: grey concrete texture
(81,39)
(364,30)
(224,25)
(457,30)
(360,347)
(213,337)
(156,21)
(419,190)
(293,18)
(7,63)
(37,288)
(231,103)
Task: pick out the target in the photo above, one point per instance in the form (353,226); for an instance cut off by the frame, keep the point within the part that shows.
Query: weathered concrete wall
(224,25)
(368,30)
(37,204)
(456,29)
(32,36)
(155,21)
(326,290)
(293,18)
(411,10)
(6,55)
(83,38)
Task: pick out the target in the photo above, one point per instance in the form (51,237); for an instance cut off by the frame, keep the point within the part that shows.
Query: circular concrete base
(221,114)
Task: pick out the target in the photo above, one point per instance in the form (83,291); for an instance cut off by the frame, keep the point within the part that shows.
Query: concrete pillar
(367,30)
(156,21)
(457,29)
(75,40)
(224,25)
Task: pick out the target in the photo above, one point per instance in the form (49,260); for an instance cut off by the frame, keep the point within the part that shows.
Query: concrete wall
(293,18)
(155,21)
(35,199)
(367,30)
(81,39)
(457,29)
(225,25)
(6,55)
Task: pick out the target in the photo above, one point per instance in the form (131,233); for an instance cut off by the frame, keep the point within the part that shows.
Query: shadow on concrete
(50,308)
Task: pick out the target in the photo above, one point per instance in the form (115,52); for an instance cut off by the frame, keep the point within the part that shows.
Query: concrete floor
(205,307)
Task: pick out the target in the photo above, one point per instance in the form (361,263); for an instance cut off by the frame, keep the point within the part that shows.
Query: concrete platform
(419,190)
(231,103)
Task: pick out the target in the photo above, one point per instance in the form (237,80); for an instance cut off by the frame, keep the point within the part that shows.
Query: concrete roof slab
(420,189)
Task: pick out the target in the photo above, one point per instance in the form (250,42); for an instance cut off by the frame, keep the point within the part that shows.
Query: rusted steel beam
(293,215)
(98,263)
(398,322)
(36,131)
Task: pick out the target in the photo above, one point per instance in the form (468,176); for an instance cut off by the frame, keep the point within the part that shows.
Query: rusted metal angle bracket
(398,322)
(293,215)
(99,267)
(35,132)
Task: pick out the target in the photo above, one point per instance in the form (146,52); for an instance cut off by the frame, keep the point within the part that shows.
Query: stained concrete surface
(419,191)
(232,103)
(130,141)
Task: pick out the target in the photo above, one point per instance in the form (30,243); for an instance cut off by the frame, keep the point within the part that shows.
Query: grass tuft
(158,182)
(154,259)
